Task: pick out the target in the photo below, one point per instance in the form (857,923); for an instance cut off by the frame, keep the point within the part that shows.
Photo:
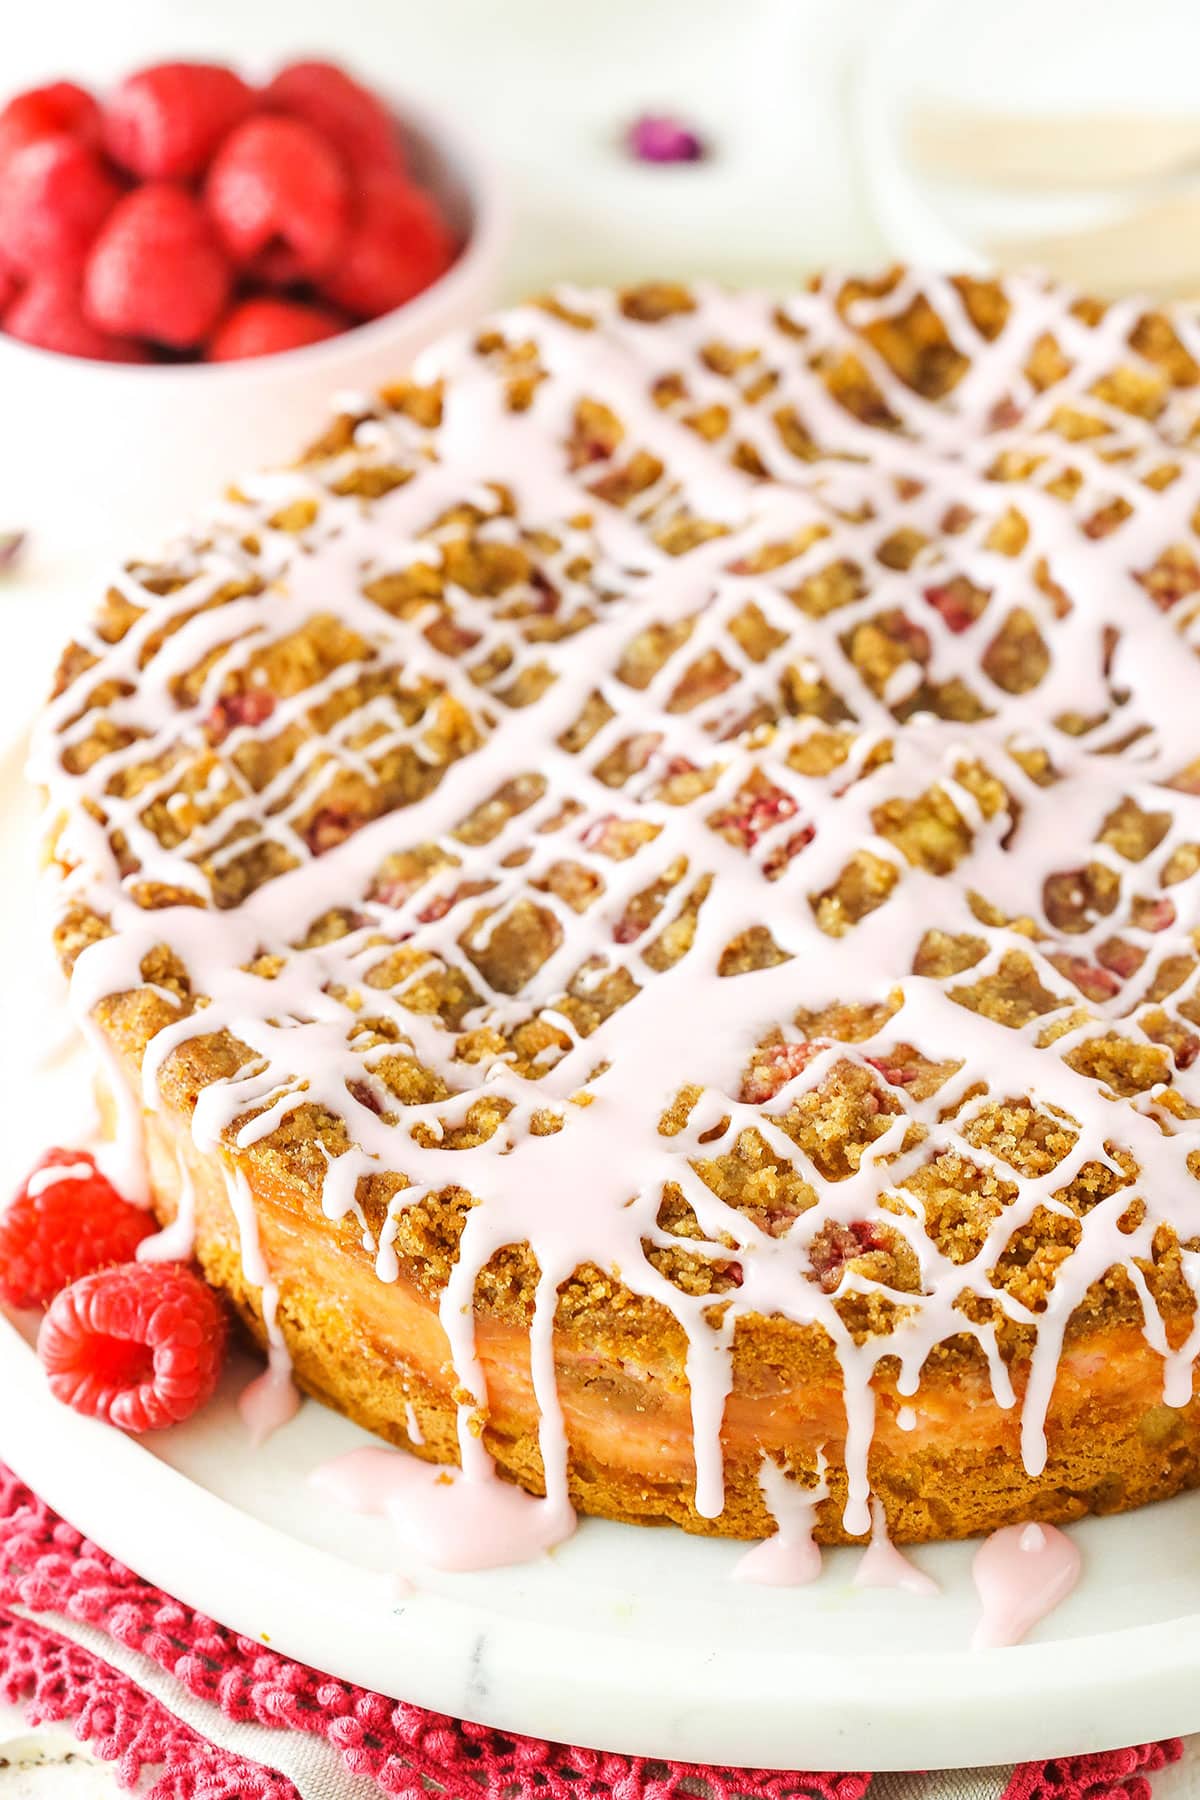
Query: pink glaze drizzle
(792,1557)
(271,1398)
(176,1241)
(884,1565)
(1021,1572)
(1117,660)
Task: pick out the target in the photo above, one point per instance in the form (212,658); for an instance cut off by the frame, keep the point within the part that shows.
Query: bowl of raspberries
(193,262)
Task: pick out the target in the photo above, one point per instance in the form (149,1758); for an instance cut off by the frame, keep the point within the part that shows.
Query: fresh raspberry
(65,1221)
(165,123)
(265,326)
(49,314)
(48,112)
(157,270)
(9,288)
(140,1345)
(276,191)
(54,196)
(341,110)
(398,244)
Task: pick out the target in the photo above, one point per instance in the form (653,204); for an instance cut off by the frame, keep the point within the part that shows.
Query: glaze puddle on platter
(1022,1573)
(474,1521)
(450,1520)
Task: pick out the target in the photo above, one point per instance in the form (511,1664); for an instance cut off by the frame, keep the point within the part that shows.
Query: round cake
(641,903)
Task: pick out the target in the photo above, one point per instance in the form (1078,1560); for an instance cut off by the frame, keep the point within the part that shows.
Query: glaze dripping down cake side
(646,895)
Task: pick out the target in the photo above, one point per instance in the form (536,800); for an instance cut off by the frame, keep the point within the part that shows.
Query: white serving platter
(624,1638)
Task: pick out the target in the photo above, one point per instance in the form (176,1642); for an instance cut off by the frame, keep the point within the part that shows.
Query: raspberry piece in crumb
(156,270)
(835,1245)
(254,707)
(265,326)
(54,197)
(895,1074)
(773,1066)
(398,244)
(1120,958)
(945,600)
(753,814)
(1094,983)
(139,1346)
(277,191)
(49,314)
(48,112)
(329,827)
(67,1220)
(1154,915)
(341,110)
(165,123)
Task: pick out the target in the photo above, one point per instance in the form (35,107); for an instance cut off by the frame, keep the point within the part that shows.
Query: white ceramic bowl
(108,456)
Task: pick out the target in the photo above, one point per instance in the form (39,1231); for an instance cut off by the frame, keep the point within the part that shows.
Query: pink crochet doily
(46,1566)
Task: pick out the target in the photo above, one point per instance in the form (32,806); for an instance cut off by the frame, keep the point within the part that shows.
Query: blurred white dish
(1033,58)
(109,456)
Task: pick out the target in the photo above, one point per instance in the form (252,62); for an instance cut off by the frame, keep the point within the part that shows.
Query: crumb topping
(694,794)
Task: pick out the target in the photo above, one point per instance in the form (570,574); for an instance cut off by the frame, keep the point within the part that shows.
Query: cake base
(375,1351)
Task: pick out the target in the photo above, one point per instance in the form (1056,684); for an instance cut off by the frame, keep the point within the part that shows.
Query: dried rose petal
(12,543)
(658,138)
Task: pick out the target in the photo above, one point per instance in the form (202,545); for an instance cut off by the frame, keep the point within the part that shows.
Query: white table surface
(48,1764)
(550,86)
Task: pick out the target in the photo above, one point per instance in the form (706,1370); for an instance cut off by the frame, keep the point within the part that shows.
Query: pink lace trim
(46,1566)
